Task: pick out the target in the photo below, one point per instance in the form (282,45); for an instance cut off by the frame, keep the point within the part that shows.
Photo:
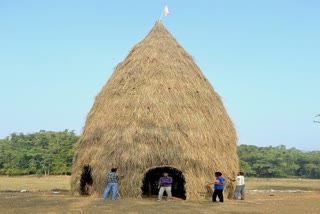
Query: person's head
(165,174)
(114,170)
(241,173)
(217,174)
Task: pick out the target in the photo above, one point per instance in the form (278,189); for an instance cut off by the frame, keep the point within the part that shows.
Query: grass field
(52,195)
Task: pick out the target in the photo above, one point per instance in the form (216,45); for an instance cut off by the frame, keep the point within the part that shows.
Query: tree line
(42,153)
(278,162)
(51,153)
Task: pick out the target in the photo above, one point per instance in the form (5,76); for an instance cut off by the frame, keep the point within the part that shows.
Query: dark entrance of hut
(86,180)
(151,181)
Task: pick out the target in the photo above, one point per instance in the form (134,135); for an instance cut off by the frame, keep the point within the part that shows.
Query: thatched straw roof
(157,110)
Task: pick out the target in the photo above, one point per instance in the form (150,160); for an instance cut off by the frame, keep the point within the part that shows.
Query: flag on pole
(166,11)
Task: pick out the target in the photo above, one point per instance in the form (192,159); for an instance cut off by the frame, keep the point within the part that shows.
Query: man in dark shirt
(165,183)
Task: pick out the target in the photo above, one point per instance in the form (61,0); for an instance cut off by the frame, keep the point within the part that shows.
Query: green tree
(37,153)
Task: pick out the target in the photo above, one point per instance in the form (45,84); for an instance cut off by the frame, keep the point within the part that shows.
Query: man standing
(239,179)
(112,184)
(165,184)
(218,187)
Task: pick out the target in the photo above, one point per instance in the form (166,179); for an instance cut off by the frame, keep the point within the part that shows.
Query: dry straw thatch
(157,111)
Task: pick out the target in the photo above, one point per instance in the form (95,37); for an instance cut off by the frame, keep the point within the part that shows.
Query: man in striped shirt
(112,184)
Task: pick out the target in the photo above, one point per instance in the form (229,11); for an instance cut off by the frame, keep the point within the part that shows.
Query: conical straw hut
(157,113)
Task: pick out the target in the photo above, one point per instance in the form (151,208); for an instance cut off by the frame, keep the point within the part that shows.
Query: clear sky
(262,57)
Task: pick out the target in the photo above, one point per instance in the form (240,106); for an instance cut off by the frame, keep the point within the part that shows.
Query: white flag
(166,11)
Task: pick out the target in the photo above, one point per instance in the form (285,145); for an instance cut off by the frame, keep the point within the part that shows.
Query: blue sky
(262,57)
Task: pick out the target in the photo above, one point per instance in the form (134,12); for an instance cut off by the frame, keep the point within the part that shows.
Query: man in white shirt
(239,179)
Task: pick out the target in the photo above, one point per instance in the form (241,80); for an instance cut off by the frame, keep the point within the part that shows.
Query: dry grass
(34,183)
(283,184)
(42,200)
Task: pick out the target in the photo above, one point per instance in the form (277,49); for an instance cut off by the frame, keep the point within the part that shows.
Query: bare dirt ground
(274,196)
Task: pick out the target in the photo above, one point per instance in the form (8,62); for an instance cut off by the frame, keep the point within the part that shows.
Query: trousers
(113,187)
(168,191)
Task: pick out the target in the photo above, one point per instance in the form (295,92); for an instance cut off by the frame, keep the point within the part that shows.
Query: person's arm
(232,178)
(170,180)
(217,181)
(211,182)
(119,176)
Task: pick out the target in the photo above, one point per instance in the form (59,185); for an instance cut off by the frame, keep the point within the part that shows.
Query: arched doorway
(151,179)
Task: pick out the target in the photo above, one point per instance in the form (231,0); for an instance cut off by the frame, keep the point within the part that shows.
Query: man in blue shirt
(165,184)
(218,187)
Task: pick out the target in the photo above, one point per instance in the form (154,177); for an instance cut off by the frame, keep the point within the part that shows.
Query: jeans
(239,190)
(114,188)
(168,191)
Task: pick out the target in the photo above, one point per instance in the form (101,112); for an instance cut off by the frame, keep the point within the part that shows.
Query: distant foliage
(42,153)
(51,153)
(278,162)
